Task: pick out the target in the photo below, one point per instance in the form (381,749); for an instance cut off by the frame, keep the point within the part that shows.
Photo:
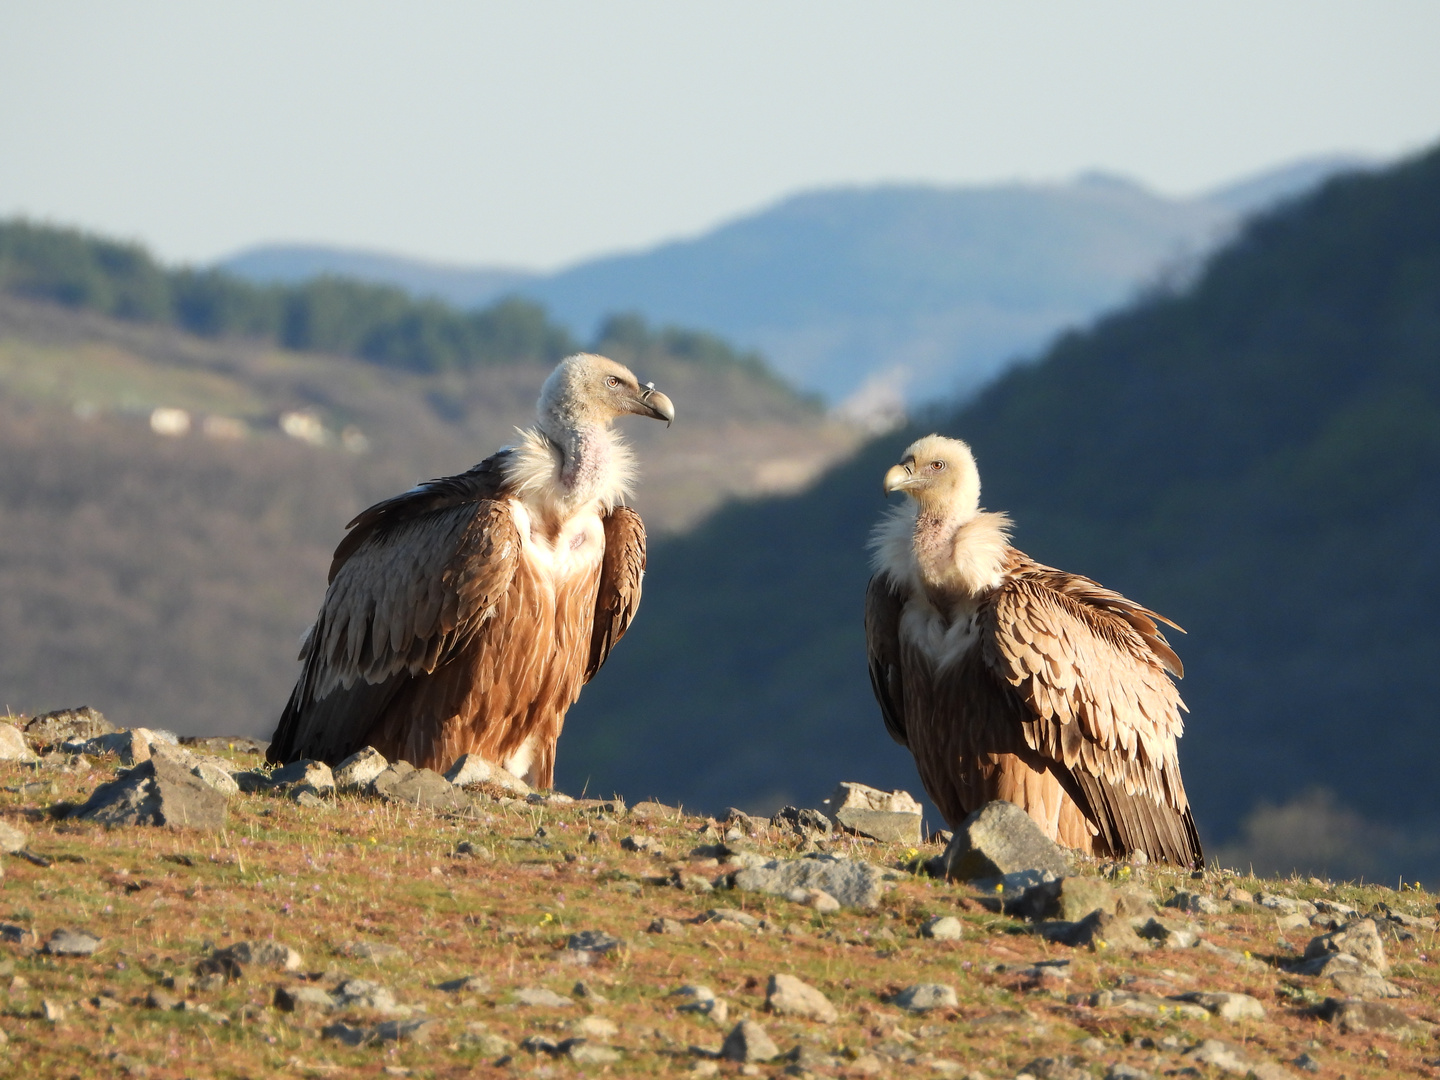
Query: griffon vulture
(1012,680)
(464,616)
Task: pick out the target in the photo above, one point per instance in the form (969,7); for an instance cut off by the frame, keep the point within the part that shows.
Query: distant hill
(295,264)
(877,294)
(1256,456)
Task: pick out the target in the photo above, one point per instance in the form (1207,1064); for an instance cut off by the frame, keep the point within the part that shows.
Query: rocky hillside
(317,923)
(170,501)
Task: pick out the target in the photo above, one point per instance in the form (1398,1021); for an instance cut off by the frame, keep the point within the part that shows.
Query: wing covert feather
(883,606)
(621,573)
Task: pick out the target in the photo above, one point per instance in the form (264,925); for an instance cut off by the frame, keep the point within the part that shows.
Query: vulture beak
(898,478)
(652,402)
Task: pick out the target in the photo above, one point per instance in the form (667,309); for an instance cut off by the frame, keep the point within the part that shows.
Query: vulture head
(586,389)
(940,475)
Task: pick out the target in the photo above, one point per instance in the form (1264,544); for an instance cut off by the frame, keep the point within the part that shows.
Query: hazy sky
(536,133)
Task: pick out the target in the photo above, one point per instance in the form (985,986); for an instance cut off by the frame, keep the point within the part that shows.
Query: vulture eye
(612,381)
(937,466)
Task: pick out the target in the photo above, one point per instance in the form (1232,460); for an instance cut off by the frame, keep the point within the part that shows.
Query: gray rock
(303,999)
(942,928)
(470,984)
(14,935)
(1306,1062)
(539,998)
(1098,931)
(1286,905)
(788,996)
(64,942)
(584,1052)
(357,771)
(1069,899)
(818,899)
(1359,939)
(810,824)
(728,915)
(1140,1004)
(420,1030)
(1360,1017)
(377,952)
(216,777)
(922,997)
(1194,903)
(665,926)
(348,1034)
(1230,1059)
(421,788)
(364,994)
(159,999)
(747,1042)
(1226,1005)
(645,845)
(1168,934)
(12,838)
(594,1027)
(852,882)
(1120,1071)
(488,1043)
(13,746)
(267,953)
(1360,985)
(1062,1068)
(998,839)
(131,746)
(471,770)
(67,725)
(305,773)
(889,816)
(156,792)
(593,941)
(701,1000)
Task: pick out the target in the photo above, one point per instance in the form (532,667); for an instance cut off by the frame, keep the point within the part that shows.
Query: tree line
(378,323)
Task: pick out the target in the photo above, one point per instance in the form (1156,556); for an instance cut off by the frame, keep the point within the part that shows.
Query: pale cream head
(940,475)
(586,389)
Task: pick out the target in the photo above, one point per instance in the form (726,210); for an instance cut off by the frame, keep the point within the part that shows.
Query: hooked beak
(652,402)
(898,478)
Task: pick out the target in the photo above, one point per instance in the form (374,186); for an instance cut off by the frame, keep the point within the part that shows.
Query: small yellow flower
(547,918)
(999,886)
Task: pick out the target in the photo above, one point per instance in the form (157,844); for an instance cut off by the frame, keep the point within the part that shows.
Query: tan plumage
(464,616)
(1012,680)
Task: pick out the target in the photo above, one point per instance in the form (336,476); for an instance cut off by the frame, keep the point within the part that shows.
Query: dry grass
(319,880)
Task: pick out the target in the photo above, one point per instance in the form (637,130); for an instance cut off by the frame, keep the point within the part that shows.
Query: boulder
(471,770)
(889,816)
(13,746)
(64,942)
(12,838)
(155,792)
(999,839)
(748,1042)
(1069,899)
(810,824)
(851,882)
(922,997)
(419,787)
(67,725)
(942,928)
(131,746)
(788,996)
(266,953)
(357,771)
(1226,1005)
(1363,1017)
(305,773)
(1099,930)
(1359,939)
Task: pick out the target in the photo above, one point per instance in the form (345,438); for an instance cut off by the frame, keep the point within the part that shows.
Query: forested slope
(1258,457)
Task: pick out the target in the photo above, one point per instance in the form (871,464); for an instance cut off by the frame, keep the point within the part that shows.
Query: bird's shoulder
(486,482)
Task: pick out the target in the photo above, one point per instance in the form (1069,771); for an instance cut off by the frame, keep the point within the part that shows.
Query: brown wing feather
(883,605)
(410,586)
(621,575)
(1084,660)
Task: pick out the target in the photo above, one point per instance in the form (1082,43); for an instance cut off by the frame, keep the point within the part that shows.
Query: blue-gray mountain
(866,293)
(1256,456)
